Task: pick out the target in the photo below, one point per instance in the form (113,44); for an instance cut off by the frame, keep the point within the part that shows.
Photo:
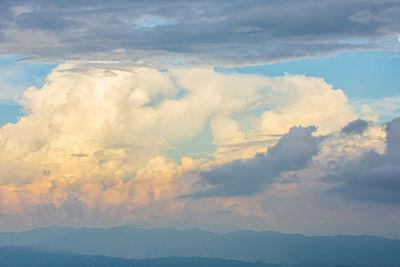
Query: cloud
(79,155)
(293,151)
(355,127)
(94,137)
(372,176)
(393,141)
(207,32)
(364,17)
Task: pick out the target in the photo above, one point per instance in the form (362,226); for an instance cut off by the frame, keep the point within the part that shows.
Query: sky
(219,115)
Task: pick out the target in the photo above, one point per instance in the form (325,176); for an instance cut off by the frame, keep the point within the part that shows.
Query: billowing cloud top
(203,31)
(92,142)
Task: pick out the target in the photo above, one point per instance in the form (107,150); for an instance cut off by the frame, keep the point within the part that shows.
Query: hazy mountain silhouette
(22,256)
(267,246)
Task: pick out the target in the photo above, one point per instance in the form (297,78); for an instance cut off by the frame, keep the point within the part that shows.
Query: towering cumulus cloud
(92,142)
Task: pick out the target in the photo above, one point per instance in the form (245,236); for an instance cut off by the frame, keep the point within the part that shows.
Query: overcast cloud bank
(207,32)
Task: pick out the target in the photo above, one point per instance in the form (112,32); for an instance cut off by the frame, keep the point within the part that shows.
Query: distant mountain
(24,257)
(267,246)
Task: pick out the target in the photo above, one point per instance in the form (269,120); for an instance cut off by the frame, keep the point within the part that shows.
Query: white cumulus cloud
(93,137)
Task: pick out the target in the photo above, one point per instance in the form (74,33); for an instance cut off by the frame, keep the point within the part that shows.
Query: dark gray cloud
(373,177)
(247,177)
(393,141)
(79,155)
(223,31)
(355,127)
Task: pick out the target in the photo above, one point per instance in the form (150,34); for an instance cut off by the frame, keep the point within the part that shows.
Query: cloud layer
(226,32)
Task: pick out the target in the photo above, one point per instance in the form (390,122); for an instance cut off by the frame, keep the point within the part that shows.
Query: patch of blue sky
(15,77)
(20,74)
(10,112)
(260,110)
(150,22)
(200,146)
(393,39)
(360,74)
(172,61)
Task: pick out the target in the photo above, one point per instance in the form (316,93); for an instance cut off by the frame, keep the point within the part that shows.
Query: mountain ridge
(247,245)
(24,256)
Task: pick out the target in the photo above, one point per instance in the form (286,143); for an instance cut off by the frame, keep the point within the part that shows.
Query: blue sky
(15,78)
(21,74)
(360,74)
